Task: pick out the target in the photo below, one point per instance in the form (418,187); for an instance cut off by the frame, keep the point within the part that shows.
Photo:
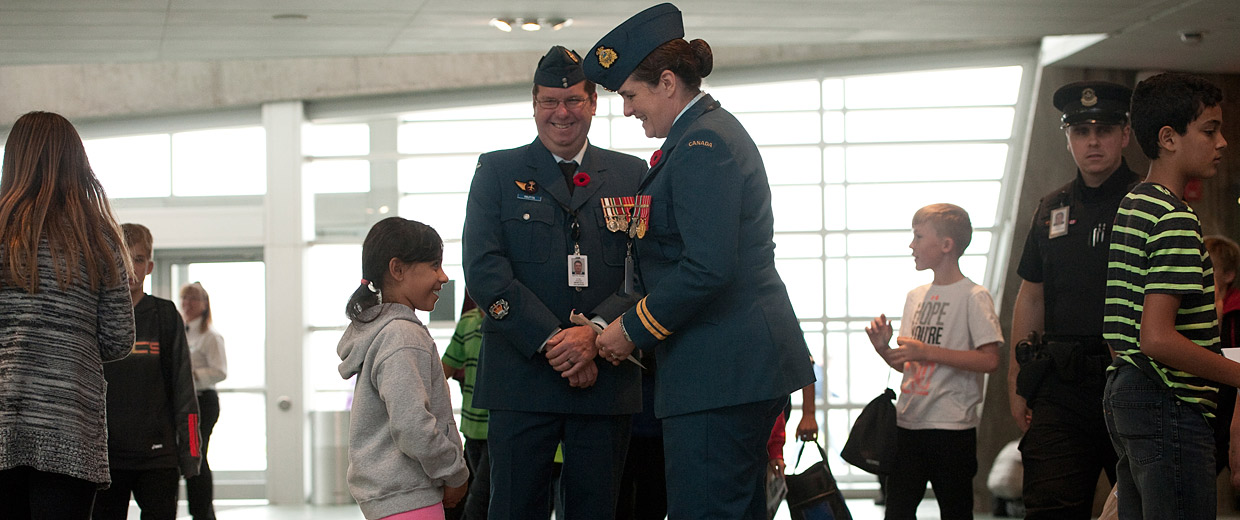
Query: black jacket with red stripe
(152,406)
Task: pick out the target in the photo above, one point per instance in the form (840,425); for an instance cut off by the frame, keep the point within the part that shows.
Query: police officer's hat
(1099,102)
(559,68)
(618,54)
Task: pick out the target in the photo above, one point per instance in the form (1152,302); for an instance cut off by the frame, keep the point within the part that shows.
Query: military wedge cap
(559,68)
(618,54)
(1099,102)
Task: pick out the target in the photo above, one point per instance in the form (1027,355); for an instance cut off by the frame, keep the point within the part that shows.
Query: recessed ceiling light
(530,24)
(502,24)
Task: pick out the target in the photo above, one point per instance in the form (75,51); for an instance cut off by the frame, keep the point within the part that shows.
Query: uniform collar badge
(529,187)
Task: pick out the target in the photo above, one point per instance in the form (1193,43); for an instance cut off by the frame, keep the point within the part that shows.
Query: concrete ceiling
(1140,34)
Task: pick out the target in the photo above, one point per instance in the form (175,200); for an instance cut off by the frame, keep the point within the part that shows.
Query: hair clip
(371,285)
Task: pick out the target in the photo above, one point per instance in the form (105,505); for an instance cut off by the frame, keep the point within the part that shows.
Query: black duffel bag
(813,493)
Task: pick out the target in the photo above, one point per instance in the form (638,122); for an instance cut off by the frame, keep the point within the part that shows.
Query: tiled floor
(862,509)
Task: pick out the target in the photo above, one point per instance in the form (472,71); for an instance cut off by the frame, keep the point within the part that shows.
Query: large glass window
(196,163)
(238,442)
(849,159)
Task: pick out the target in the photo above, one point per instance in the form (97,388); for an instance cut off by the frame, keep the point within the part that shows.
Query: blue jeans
(1165,449)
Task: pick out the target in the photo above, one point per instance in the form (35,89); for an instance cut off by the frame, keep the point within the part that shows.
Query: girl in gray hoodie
(405,457)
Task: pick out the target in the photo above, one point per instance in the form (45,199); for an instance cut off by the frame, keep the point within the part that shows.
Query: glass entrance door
(235,282)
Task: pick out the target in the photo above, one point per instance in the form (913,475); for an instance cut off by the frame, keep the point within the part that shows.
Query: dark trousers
(521,446)
(643,488)
(39,495)
(716,461)
(201,489)
(1063,453)
(155,491)
(479,462)
(947,459)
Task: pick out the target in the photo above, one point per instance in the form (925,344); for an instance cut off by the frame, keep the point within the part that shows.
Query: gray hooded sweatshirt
(403,442)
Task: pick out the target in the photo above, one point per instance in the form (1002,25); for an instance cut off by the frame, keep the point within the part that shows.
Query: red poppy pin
(654,159)
(581,179)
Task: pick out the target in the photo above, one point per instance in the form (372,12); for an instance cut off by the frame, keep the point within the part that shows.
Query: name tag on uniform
(1059,222)
(578,271)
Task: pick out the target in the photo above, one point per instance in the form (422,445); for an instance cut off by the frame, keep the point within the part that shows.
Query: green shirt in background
(1156,247)
(462,353)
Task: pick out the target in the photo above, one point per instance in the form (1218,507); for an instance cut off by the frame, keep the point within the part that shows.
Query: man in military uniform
(1057,372)
(529,224)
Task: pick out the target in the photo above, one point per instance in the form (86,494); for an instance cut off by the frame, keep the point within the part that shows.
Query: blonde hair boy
(949,221)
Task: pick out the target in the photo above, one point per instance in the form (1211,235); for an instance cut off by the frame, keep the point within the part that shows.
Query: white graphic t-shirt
(959,316)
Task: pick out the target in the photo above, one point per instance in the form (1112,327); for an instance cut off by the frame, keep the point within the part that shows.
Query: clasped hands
(880,333)
(568,348)
(571,352)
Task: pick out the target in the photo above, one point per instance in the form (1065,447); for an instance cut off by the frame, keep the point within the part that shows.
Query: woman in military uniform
(717,315)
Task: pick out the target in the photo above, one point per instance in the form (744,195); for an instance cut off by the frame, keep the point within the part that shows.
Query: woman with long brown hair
(64,310)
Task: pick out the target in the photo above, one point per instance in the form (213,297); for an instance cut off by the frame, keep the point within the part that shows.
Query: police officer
(534,213)
(1057,374)
(717,315)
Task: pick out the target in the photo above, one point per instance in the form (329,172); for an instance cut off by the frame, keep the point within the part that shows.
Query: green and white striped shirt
(1156,247)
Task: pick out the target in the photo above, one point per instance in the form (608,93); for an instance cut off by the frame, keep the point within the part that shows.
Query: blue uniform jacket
(516,246)
(716,312)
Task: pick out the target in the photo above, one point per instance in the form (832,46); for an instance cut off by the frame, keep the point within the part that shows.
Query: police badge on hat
(1088,97)
(1093,102)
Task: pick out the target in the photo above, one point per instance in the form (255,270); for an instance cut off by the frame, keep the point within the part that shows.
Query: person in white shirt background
(206,349)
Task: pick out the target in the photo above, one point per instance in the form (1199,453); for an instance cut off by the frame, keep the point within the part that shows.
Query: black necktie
(569,168)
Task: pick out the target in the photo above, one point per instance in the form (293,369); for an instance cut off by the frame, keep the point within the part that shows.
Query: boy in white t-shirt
(949,337)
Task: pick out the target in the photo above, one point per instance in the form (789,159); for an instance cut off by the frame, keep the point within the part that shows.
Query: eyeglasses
(572,103)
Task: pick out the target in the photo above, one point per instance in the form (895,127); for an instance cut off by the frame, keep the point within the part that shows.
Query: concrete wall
(116,90)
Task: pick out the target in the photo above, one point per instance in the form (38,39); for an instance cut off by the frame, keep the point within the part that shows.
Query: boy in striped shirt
(1159,316)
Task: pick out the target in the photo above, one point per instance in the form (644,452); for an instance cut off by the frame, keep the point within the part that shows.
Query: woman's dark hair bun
(705,58)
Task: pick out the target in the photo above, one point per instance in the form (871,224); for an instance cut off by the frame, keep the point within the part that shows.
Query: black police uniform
(1067,442)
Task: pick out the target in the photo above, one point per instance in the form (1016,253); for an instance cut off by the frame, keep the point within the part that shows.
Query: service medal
(626,211)
(640,219)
